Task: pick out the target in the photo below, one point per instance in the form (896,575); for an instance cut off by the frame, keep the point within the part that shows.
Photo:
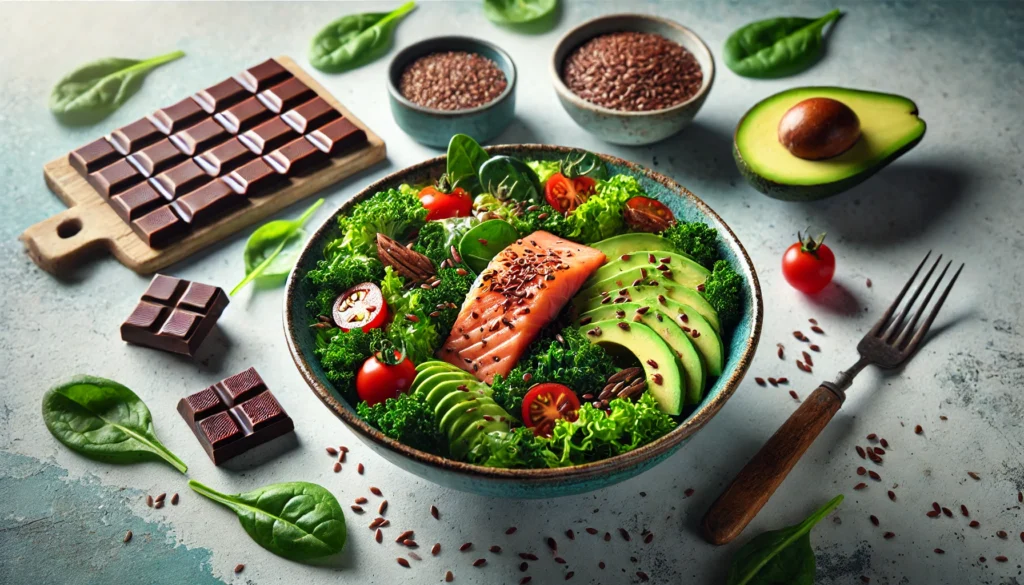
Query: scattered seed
(939,551)
(974,524)
(781,353)
(624,534)
(1001,559)
(1022,536)
(174,499)
(376,522)
(357,509)
(479,562)
(963,510)
(649,538)
(860,486)
(495,549)
(525,580)
(807,359)
(434,512)
(643,576)
(405,535)
(947,512)
(239,568)
(874,476)
(884,443)
(973,475)
(449,577)
(332,451)
(918,430)
(127,536)
(933,514)
(879,451)
(160,498)
(158,505)
(415,556)
(814,347)
(361,500)
(376,491)
(383,507)
(874,520)
(868,283)
(892,495)
(860,451)
(591,530)
(379,536)
(465,547)
(861,471)
(889,535)
(410,543)
(794,395)
(360,468)
(403,562)
(782,380)
(149,501)
(607,536)
(1001,534)
(569,575)
(559,560)
(760,381)
(1020,496)
(981,559)
(528,556)
(600,565)
(688,492)
(817,330)
(773,382)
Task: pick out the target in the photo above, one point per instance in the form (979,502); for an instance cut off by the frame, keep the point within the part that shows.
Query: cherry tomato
(441,205)
(644,214)
(360,307)
(565,194)
(545,404)
(808,265)
(385,374)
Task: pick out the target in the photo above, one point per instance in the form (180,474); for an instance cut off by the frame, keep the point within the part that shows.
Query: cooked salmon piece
(522,289)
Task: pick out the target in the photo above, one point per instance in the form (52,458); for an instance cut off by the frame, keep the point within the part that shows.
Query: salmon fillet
(522,289)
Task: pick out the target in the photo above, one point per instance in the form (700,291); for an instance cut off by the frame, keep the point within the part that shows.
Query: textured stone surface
(62,517)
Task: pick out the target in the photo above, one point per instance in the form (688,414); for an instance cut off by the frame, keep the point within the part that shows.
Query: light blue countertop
(62,517)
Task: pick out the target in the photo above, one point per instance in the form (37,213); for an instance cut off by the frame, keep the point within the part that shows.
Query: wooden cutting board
(90,224)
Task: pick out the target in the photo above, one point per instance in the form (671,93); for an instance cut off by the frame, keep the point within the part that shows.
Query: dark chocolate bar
(174,315)
(234,416)
(185,165)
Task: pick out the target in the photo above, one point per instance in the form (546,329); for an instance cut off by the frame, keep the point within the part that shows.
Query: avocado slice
(438,391)
(435,364)
(664,382)
(649,292)
(889,127)
(689,359)
(460,446)
(707,343)
(453,399)
(615,246)
(455,423)
(641,265)
(425,375)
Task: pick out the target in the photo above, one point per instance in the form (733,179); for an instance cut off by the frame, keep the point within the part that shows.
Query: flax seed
(889,535)
(892,495)
(974,476)
(963,510)
(1001,534)
(760,381)
(376,491)
(403,562)
(452,80)
(860,486)
(449,577)
(974,524)
(239,568)
(332,451)
(149,501)
(624,534)
(127,536)
(174,500)
(357,509)
(378,536)
(465,546)
(874,520)
(1001,559)
(479,562)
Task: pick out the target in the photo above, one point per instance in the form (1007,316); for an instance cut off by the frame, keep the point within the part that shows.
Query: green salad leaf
(407,420)
(465,157)
(780,556)
(511,179)
(482,243)
(355,39)
(518,11)
(98,88)
(695,239)
(776,47)
(544,168)
(341,355)
(436,238)
(295,520)
(104,420)
(451,291)
(600,216)
(272,249)
(418,338)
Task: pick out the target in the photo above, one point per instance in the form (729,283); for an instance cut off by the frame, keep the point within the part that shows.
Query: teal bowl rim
(564,92)
(416,50)
(662,446)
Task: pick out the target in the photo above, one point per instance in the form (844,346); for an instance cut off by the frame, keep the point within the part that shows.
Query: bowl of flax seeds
(631,78)
(452,85)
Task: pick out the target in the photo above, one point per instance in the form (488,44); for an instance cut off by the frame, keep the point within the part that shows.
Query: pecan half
(411,265)
(628,383)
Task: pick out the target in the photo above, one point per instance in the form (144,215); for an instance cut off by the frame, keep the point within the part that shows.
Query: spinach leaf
(355,39)
(465,157)
(780,557)
(776,47)
(484,241)
(507,177)
(103,420)
(583,163)
(95,90)
(518,11)
(295,520)
(272,249)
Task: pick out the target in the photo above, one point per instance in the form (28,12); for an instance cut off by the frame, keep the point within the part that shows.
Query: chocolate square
(310,115)
(134,136)
(93,156)
(224,157)
(207,203)
(218,97)
(243,115)
(267,136)
(136,202)
(160,227)
(286,95)
(254,178)
(156,157)
(234,416)
(177,117)
(115,178)
(186,177)
(337,137)
(296,157)
(262,76)
(200,137)
(174,315)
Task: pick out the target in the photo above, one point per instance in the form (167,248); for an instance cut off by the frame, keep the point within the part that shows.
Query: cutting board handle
(56,244)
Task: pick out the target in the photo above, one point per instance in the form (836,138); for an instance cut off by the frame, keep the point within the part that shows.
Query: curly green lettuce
(544,168)
(600,216)
(343,355)
(408,420)
(450,293)
(436,238)
(419,337)
(724,290)
(695,239)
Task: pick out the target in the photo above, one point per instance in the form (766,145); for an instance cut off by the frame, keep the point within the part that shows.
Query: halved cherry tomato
(565,194)
(360,307)
(644,214)
(808,265)
(385,374)
(441,205)
(545,404)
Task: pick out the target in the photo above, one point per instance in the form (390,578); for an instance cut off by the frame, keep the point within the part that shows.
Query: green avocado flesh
(646,345)
(626,268)
(616,246)
(648,293)
(688,358)
(889,127)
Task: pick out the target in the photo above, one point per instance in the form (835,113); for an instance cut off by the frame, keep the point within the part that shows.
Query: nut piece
(413,266)
(819,128)
(627,383)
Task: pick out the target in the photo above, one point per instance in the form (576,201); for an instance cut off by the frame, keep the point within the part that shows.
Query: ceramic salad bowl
(529,483)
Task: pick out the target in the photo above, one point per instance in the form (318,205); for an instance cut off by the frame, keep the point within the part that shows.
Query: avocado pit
(819,128)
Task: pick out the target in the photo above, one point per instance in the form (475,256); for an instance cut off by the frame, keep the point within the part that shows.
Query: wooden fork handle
(759,479)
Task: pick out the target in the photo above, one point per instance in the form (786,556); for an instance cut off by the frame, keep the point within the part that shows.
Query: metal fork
(889,344)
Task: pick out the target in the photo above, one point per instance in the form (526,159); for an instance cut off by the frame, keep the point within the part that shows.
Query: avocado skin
(811,192)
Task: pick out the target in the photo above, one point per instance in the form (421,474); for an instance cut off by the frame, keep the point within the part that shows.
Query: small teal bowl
(436,127)
(528,483)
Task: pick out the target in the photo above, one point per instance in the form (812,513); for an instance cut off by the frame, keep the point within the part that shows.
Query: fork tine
(916,340)
(888,312)
(897,323)
(909,329)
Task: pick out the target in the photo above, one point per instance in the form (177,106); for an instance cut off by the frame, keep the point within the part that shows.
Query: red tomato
(808,265)
(385,374)
(360,307)
(545,404)
(565,194)
(644,214)
(441,205)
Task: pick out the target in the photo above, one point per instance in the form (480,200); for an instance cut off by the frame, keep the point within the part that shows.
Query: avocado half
(889,127)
